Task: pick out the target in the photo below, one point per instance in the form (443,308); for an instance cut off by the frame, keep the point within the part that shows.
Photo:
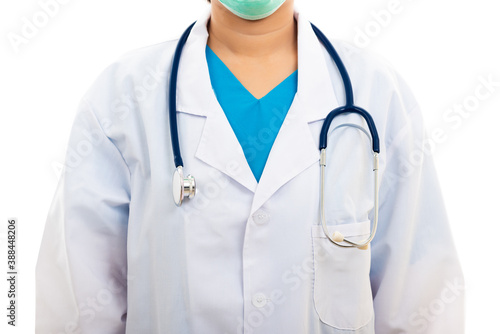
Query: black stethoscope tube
(349,98)
(172,97)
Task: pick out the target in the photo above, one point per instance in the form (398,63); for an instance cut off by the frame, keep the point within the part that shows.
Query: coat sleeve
(82,264)
(417,282)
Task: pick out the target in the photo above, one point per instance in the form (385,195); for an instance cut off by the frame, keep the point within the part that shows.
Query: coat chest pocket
(342,290)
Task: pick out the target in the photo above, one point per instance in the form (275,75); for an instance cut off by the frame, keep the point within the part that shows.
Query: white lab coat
(118,256)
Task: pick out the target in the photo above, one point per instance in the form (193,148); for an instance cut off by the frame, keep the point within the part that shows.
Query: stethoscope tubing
(172,97)
(187,187)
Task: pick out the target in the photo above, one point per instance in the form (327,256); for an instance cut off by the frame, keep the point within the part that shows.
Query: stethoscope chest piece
(182,187)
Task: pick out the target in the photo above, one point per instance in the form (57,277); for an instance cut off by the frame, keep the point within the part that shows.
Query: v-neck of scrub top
(255,122)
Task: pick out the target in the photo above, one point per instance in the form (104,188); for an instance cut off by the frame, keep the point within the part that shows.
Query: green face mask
(252,9)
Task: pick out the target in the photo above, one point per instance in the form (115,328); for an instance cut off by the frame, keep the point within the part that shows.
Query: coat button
(261,217)
(259,300)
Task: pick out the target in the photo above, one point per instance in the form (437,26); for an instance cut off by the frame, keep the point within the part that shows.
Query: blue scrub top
(255,122)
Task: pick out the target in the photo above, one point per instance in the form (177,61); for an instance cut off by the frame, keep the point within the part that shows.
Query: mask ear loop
(337,238)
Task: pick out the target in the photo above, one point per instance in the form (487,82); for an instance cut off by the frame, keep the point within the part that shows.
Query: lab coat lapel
(295,149)
(218,145)
(220,148)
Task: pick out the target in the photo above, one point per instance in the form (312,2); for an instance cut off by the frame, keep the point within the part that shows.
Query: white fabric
(118,256)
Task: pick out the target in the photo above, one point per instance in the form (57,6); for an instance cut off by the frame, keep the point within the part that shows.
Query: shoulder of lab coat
(131,78)
(81,273)
(417,281)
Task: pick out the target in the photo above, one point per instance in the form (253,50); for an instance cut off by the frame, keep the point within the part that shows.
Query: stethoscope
(186,186)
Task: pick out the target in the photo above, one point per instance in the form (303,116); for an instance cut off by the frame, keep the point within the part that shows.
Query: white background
(441,48)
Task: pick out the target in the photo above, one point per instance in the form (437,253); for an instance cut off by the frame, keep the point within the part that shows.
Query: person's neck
(252,39)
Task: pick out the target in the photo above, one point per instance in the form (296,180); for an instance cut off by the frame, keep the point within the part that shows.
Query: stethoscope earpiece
(337,236)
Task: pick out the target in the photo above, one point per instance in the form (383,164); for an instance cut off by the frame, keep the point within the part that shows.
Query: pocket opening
(342,289)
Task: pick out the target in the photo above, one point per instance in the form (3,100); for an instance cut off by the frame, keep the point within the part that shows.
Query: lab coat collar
(194,89)
(315,86)
(294,149)
(218,145)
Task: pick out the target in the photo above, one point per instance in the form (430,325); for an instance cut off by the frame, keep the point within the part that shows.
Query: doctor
(247,254)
